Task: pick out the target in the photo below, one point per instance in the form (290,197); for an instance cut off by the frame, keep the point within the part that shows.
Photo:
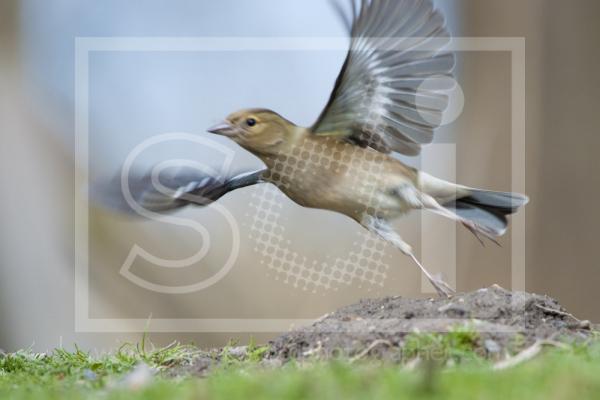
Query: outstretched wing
(393,87)
(187,186)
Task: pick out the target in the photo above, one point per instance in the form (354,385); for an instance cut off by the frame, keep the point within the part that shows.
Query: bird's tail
(485,211)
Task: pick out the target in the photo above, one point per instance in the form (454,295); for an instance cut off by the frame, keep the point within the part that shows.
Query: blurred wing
(185,187)
(393,87)
(347,20)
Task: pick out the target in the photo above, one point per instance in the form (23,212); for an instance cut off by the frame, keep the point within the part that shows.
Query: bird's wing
(187,186)
(393,87)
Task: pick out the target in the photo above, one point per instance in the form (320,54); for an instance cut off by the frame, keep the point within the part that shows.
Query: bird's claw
(442,288)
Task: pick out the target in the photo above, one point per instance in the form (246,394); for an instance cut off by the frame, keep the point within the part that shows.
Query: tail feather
(507,203)
(488,210)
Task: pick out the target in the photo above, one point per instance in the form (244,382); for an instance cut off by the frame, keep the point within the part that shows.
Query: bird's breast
(345,179)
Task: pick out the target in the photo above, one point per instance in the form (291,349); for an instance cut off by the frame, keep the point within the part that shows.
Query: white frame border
(85,45)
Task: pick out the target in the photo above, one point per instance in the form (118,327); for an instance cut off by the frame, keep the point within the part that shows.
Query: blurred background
(135,96)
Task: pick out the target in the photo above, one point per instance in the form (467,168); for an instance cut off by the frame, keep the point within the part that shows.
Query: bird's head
(257,130)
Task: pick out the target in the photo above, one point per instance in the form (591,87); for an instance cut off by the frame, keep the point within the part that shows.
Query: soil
(505,322)
(503,319)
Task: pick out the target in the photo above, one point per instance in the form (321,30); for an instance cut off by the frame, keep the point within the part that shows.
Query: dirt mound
(501,320)
(493,323)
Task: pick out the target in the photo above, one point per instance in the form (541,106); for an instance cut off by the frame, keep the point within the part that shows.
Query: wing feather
(380,99)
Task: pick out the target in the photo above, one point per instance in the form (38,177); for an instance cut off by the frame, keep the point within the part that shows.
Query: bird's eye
(250,122)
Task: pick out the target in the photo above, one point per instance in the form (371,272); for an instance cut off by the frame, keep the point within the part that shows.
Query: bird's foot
(479,231)
(441,287)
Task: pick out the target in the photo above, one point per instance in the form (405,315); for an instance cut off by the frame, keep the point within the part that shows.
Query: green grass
(460,345)
(573,372)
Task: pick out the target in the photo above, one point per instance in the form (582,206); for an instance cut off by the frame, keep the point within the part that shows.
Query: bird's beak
(224,128)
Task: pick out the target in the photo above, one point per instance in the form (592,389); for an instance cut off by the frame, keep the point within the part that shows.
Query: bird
(388,99)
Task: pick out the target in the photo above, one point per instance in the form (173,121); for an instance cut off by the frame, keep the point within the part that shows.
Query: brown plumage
(378,106)
(323,172)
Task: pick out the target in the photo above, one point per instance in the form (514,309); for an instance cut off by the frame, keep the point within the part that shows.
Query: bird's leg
(431,204)
(385,231)
(441,287)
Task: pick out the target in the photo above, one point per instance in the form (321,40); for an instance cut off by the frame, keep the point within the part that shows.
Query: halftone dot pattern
(365,264)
